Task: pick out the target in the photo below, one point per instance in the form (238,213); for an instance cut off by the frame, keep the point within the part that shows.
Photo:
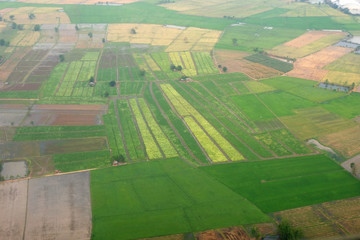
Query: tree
(103,40)
(12,17)
(112,84)
(31,16)
(234,41)
(224,69)
(142,73)
(179,68)
(90,34)
(20,27)
(76,27)
(133,31)
(106,94)
(353,168)
(352,86)
(1,18)
(91,79)
(62,57)
(326,82)
(172,67)
(119,158)
(219,66)
(288,232)
(56,29)
(37,28)
(13,25)
(2,42)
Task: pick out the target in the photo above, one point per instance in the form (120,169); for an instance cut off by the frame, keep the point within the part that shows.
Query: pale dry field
(13,198)
(314,40)
(311,67)
(43,15)
(59,207)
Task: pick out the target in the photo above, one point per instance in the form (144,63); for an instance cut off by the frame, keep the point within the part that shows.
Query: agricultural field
(312,66)
(306,44)
(177,120)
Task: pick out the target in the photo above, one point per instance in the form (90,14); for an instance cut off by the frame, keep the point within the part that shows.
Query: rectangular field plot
(58,132)
(344,106)
(248,37)
(350,63)
(59,207)
(252,107)
(315,122)
(178,199)
(131,88)
(270,62)
(82,160)
(163,60)
(281,184)
(13,200)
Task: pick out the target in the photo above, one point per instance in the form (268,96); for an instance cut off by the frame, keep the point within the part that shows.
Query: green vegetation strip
(169,194)
(58,132)
(270,62)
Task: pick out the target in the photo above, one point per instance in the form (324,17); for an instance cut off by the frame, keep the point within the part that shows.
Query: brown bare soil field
(80,107)
(72,145)
(16,150)
(13,198)
(59,207)
(24,87)
(311,67)
(233,233)
(306,38)
(11,63)
(94,42)
(74,119)
(346,142)
(234,61)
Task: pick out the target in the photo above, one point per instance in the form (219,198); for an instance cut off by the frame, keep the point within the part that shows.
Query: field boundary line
(26,209)
(196,68)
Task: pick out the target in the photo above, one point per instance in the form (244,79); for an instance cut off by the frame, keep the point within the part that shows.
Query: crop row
(162,59)
(190,69)
(160,137)
(185,109)
(151,147)
(204,63)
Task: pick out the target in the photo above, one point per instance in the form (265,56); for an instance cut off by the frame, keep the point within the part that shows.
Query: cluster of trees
(224,69)
(175,68)
(285,231)
(165,1)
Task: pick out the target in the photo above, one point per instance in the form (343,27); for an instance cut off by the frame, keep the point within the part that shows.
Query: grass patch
(287,183)
(177,199)
(270,62)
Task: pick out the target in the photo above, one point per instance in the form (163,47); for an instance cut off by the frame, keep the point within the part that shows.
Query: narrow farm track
(147,125)
(226,127)
(138,130)
(173,127)
(147,64)
(235,89)
(121,130)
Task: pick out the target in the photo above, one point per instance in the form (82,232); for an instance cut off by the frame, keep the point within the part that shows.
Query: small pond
(334,87)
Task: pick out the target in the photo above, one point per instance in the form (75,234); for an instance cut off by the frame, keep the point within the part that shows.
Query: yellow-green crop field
(152,150)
